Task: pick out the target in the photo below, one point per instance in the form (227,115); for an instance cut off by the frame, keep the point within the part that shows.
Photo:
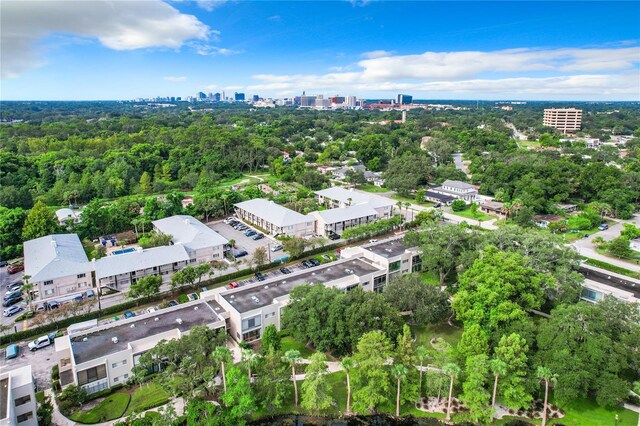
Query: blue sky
(434,50)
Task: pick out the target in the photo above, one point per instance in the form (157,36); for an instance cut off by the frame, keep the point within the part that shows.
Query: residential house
(436,197)
(66,215)
(275,219)
(338,197)
(18,405)
(543,220)
(374,178)
(457,189)
(202,243)
(493,207)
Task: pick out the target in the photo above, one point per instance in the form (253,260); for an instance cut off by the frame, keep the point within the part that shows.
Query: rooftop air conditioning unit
(114,339)
(132,326)
(156,319)
(179,320)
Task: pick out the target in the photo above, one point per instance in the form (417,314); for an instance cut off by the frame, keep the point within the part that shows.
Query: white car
(40,343)
(12,310)
(151,310)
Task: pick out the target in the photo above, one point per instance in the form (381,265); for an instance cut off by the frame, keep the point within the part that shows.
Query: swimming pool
(129,250)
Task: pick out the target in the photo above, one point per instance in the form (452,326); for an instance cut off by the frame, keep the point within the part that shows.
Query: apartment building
(565,119)
(338,197)
(18,405)
(337,220)
(458,190)
(274,218)
(202,243)
(392,254)
(58,267)
(99,357)
(119,271)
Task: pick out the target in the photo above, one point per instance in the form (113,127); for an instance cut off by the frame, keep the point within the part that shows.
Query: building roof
(97,344)
(274,213)
(547,217)
(388,248)
(440,197)
(349,195)
(493,205)
(189,232)
(345,213)
(116,264)
(55,256)
(262,294)
(458,184)
(65,214)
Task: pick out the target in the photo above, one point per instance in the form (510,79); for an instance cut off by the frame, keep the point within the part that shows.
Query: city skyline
(431,50)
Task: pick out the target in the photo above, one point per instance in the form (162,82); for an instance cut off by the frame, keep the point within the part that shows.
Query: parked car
(129,314)
(172,303)
(11,311)
(314,262)
(13,269)
(327,257)
(276,247)
(258,236)
(78,298)
(232,284)
(12,351)
(90,293)
(250,233)
(3,263)
(54,304)
(193,296)
(12,301)
(151,310)
(41,342)
(285,270)
(12,294)
(373,241)
(586,235)
(260,276)
(334,236)
(603,227)
(306,264)
(233,223)
(16,285)
(241,253)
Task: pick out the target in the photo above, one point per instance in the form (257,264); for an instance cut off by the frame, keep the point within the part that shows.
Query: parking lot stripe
(24,324)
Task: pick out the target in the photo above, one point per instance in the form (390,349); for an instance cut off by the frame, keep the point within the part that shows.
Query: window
(251,322)
(24,417)
(394,266)
(82,275)
(92,374)
(192,260)
(591,295)
(155,268)
(122,378)
(416,263)
(351,287)
(379,282)
(50,292)
(119,363)
(272,314)
(405,261)
(48,282)
(22,400)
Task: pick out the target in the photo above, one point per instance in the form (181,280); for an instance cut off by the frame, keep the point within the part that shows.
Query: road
(457,160)
(585,246)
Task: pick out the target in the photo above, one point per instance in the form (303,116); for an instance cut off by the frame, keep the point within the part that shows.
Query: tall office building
(307,101)
(239,97)
(256,98)
(404,99)
(216,97)
(565,119)
(201,95)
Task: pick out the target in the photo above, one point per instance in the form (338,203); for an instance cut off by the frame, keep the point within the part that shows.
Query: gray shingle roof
(189,232)
(55,256)
(138,260)
(458,184)
(343,195)
(346,213)
(274,213)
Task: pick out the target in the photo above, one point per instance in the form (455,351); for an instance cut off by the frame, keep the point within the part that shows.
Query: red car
(12,269)
(232,285)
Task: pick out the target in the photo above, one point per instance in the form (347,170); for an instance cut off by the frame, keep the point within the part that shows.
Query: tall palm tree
(292,357)
(451,370)
(220,355)
(406,208)
(422,353)
(251,359)
(498,368)
(545,374)
(27,287)
(400,204)
(347,365)
(400,372)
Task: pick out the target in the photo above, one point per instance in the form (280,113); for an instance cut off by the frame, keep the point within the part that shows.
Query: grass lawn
(289,342)
(111,408)
(635,256)
(529,144)
(321,259)
(430,278)
(613,268)
(412,201)
(373,188)
(478,216)
(147,396)
(445,331)
(587,412)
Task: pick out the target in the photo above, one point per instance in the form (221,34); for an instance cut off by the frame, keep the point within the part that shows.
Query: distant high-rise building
(216,97)
(565,119)
(307,101)
(256,98)
(239,97)
(338,100)
(201,95)
(404,99)
(351,101)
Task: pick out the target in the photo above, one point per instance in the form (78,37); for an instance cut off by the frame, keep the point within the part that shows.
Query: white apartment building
(99,357)
(457,189)
(202,243)
(565,119)
(18,405)
(274,218)
(338,197)
(337,220)
(58,267)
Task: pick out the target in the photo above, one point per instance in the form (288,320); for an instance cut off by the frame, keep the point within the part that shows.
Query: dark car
(260,276)
(129,314)
(11,301)
(172,303)
(314,262)
(258,237)
(334,236)
(250,233)
(78,298)
(307,264)
(12,294)
(3,263)
(241,253)
(285,270)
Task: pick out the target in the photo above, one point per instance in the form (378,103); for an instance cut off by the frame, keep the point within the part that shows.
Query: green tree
(474,341)
(458,206)
(512,351)
(270,340)
(40,222)
(251,360)
(145,183)
(221,355)
(348,364)
(427,304)
(294,246)
(272,384)
(145,287)
(498,369)
(292,357)
(420,196)
(400,372)
(474,393)
(238,398)
(619,247)
(452,370)
(422,355)
(405,355)
(371,375)
(259,256)
(199,411)
(545,375)
(316,390)
(11,224)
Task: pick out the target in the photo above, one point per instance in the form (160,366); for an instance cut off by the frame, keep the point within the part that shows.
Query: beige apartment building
(565,119)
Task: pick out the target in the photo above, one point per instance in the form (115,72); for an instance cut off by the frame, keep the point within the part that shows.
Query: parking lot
(5,279)
(248,243)
(41,362)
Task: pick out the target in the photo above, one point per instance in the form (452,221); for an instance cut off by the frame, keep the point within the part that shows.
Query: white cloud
(585,73)
(175,79)
(275,18)
(209,5)
(377,54)
(118,25)
(210,50)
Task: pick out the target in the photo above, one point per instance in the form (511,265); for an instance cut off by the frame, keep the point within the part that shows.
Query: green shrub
(458,206)
(183,298)
(55,372)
